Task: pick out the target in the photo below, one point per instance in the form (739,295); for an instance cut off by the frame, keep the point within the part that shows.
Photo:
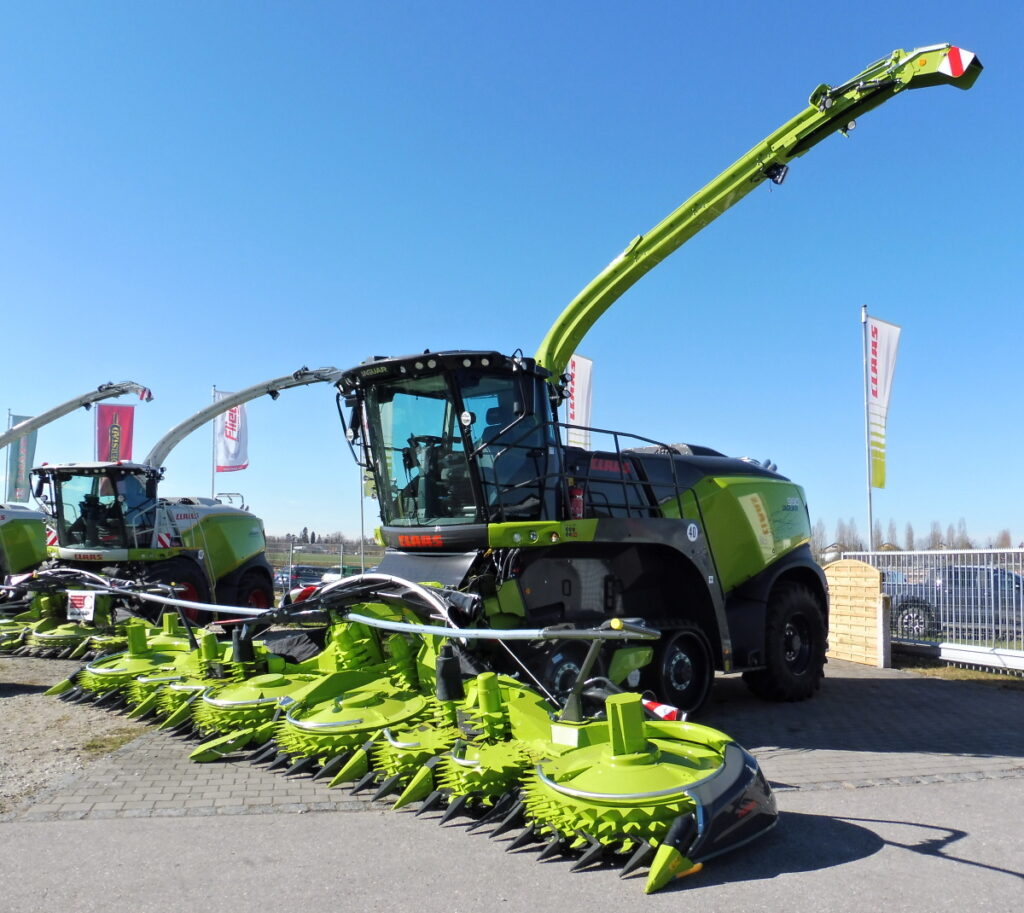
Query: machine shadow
(798,843)
(10,689)
(879,711)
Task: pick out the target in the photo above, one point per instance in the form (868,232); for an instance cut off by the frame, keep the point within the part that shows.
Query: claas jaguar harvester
(23,530)
(107,518)
(478,491)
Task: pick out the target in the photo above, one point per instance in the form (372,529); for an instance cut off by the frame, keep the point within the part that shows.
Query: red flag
(114,427)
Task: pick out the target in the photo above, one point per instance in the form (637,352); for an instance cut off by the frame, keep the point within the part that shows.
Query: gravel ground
(42,739)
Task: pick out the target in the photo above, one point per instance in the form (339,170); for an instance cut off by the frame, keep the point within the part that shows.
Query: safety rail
(570,482)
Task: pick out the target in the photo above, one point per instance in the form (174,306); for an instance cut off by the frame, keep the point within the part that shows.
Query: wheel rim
(189,593)
(679,671)
(563,678)
(258,599)
(797,644)
(685,672)
(912,623)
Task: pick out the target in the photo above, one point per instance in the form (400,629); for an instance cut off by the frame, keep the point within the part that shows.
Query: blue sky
(197,194)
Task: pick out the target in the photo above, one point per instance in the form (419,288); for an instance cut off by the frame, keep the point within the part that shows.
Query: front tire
(191,583)
(794,644)
(255,591)
(562,669)
(684,670)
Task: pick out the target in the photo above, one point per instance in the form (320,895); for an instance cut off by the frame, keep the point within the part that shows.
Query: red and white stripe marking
(956,63)
(163,540)
(665,711)
(51,536)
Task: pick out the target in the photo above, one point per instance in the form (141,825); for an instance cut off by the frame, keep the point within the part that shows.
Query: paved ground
(895,790)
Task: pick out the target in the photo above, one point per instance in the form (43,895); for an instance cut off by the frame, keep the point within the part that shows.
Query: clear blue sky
(198,194)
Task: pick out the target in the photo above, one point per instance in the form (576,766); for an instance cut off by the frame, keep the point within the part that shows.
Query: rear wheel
(190,583)
(794,643)
(255,591)
(684,669)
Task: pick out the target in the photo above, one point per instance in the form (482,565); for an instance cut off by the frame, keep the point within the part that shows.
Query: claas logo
(421,541)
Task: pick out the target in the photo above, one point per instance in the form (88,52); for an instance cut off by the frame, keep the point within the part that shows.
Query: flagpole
(213,455)
(867,427)
(7,456)
(362,526)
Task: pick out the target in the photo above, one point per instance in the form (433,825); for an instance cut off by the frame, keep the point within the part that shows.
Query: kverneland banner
(580,371)
(882,341)
(114,428)
(20,457)
(232,438)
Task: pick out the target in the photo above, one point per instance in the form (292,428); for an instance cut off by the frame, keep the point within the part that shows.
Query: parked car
(958,602)
(287,578)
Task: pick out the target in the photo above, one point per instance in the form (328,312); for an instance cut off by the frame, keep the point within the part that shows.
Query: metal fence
(968,603)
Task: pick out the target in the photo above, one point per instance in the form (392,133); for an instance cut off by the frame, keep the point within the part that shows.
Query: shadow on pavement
(798,843)
(875,711)
(9,689)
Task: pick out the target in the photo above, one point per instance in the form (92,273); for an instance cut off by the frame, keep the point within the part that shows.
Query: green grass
(280,559)
(936,668)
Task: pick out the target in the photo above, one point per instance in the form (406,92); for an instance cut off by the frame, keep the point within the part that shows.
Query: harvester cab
(464,439)
(22,529)
(112,506)
(478,492)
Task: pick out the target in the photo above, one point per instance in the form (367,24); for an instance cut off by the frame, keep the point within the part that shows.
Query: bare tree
(856,544)
(842,535)
(818,538)
(1003,539)
(909,541)
(962,540)
(934,535)
(876,534)
(891,536)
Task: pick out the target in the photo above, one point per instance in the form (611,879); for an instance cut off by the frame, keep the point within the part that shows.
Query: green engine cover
(750,523)
(22,540)
(229,539)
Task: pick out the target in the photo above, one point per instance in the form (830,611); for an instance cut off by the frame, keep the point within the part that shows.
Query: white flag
(231,436)
(578,403)
(882,341)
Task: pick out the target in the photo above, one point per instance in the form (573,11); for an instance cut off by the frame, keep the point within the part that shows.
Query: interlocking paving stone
(865,728)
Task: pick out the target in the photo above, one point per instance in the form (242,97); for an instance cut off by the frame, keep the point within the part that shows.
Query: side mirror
(40,484)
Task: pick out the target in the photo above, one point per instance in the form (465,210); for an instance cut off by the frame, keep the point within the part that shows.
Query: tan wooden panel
(856,617)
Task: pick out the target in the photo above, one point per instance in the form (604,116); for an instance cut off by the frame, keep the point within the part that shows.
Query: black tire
(255,591)
(914,620)
(683,670)
(188,575)
(562,666)
(794,645)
